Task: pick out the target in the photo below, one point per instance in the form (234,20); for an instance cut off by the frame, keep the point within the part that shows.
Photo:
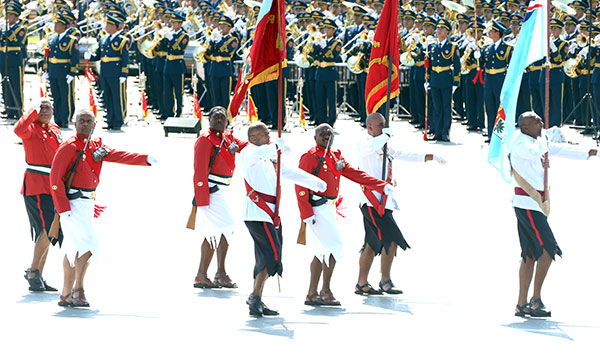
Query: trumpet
(363,35)
(406,57)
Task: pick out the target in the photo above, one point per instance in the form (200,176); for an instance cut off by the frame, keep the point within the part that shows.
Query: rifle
(191,223)
(53,232)
(302,232)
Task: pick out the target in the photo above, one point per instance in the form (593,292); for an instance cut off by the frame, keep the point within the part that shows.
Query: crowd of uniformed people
(454,57)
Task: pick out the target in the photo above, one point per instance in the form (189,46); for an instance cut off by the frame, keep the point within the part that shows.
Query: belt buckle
(93,195)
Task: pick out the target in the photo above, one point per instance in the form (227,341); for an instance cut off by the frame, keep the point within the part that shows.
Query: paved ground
(459,279)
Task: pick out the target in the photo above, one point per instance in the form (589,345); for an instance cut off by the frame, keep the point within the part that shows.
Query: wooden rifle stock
(54,227)
(191,223)
(302,234)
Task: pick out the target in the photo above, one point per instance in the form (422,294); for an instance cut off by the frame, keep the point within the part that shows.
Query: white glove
(69,78)
(169,36)
(87,55)
(584,52)
(553,47)
(572,47)
(477,54)
(344,57)
(65,215)
(426,84)
(322,43)
(439,159)
(472,45)
(37,105)
(388,189)
(45,76)
(388,131)
(321,186)
(122,79)
(216,36)
(151,160)
(281,146)
(3,27)
(310,220)
(416,38)
(454,89)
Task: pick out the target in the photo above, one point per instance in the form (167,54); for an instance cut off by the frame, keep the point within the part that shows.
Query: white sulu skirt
(216,220)
(78,229)
(325,237)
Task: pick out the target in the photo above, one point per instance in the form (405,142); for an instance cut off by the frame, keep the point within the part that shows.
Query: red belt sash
(376,203)
(261,200)
(521,191)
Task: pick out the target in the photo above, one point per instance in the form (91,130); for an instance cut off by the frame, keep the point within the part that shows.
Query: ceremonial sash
(260,199)
(228,156)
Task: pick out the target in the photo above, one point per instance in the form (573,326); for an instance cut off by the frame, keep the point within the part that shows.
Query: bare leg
(221,254)
(364,263)
(206,256)
(39,252)
(69,277)
(386,264)
(316,267)
(259,282)
(81,265)
(541,270)
(327,273)
(525,276)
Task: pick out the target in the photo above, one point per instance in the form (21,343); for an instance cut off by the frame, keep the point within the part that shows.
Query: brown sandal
(328,299)
(313,300)
(65,300)
(79,300)
(225,281)
(206,285)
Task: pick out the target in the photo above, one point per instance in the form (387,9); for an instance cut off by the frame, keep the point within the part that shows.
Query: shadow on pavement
(39,297)
(270,326)
(218,293)
(84,313)
(388,303)
(541,326)
(334,311)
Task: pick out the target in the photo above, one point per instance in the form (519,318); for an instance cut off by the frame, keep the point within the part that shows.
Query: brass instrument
(353,63)
(406,57)
(463,60)
(562,8)
(363,35)
(452,9)
(581,40)
(571,66)
(484,42)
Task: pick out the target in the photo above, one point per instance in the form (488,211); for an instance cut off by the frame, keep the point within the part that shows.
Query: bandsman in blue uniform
(363,51)
(444,69)
(174,71)
(113,55)
(473,80)
(571,88)
(62,67)
(591,57)
(458,98)
(221,50)
(327,53)
(160,56)
(417,72)
(12,50)
(558,56)
(72,27)
(494,60)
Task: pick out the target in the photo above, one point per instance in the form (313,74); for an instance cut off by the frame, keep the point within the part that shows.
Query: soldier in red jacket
(318,211)
(41,138)
(76,205)
(214,163)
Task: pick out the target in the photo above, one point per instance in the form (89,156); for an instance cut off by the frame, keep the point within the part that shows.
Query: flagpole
(547,96)
(387,119)
(279,111)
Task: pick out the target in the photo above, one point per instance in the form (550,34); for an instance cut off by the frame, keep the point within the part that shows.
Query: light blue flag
(531,46)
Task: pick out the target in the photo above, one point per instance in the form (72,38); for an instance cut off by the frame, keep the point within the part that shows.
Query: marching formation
(454,60)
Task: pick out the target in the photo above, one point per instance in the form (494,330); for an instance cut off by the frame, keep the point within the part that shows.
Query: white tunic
(257,163)
(216,219)
(527,158)
(370,151)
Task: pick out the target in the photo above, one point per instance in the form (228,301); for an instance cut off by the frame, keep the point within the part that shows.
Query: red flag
(252,115)
(385,43)
(41,92)
(197,108)
(302,117)
(144,105)
(93,103)
(267,51)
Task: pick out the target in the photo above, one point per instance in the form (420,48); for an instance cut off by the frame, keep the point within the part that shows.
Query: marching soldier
(445,77)
(417,72)
(327,53)
(41,138)
(113,54)
(494,61)
(558,56)
(174,71)
(221,51)
(63,60)
(12,51)
(76,205)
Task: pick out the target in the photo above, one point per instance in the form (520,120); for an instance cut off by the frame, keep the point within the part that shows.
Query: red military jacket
(40,142)
(223,165)
(333,168)
(87,174)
